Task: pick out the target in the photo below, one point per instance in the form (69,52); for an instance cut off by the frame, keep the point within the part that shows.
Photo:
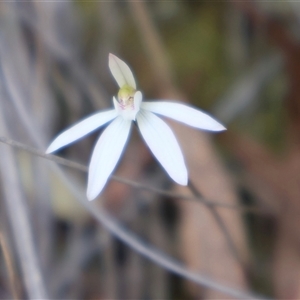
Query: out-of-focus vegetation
(240,61)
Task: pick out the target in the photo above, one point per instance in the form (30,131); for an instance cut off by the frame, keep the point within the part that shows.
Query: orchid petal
(184,114)
(106,155)
(162,142)
(138,98)
(121,72)
(116,105)
(81,129)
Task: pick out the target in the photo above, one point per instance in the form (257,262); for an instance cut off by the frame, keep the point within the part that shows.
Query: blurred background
(237,60)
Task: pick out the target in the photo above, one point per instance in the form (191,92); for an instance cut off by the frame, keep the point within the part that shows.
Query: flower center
(126,98)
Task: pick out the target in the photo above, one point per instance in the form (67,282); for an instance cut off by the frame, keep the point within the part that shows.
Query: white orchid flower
(128,107)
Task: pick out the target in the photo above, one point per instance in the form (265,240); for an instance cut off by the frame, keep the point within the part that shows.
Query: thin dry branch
(217,217)
(152,45)
(132,183)
(62,52)
(158,257)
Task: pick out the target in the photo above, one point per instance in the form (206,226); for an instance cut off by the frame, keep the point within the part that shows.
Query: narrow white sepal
(184,114)
(106,154)
(163,144)
(138,98)
(116,105)
(81,129)
(121,71)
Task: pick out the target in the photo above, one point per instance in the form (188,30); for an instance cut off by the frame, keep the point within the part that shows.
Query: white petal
(116,105)
(162,142)
(121,71)
(106,155)
(138,98)
(81,129)
(185,114)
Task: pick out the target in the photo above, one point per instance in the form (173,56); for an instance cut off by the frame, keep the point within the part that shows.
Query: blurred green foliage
(195,42)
